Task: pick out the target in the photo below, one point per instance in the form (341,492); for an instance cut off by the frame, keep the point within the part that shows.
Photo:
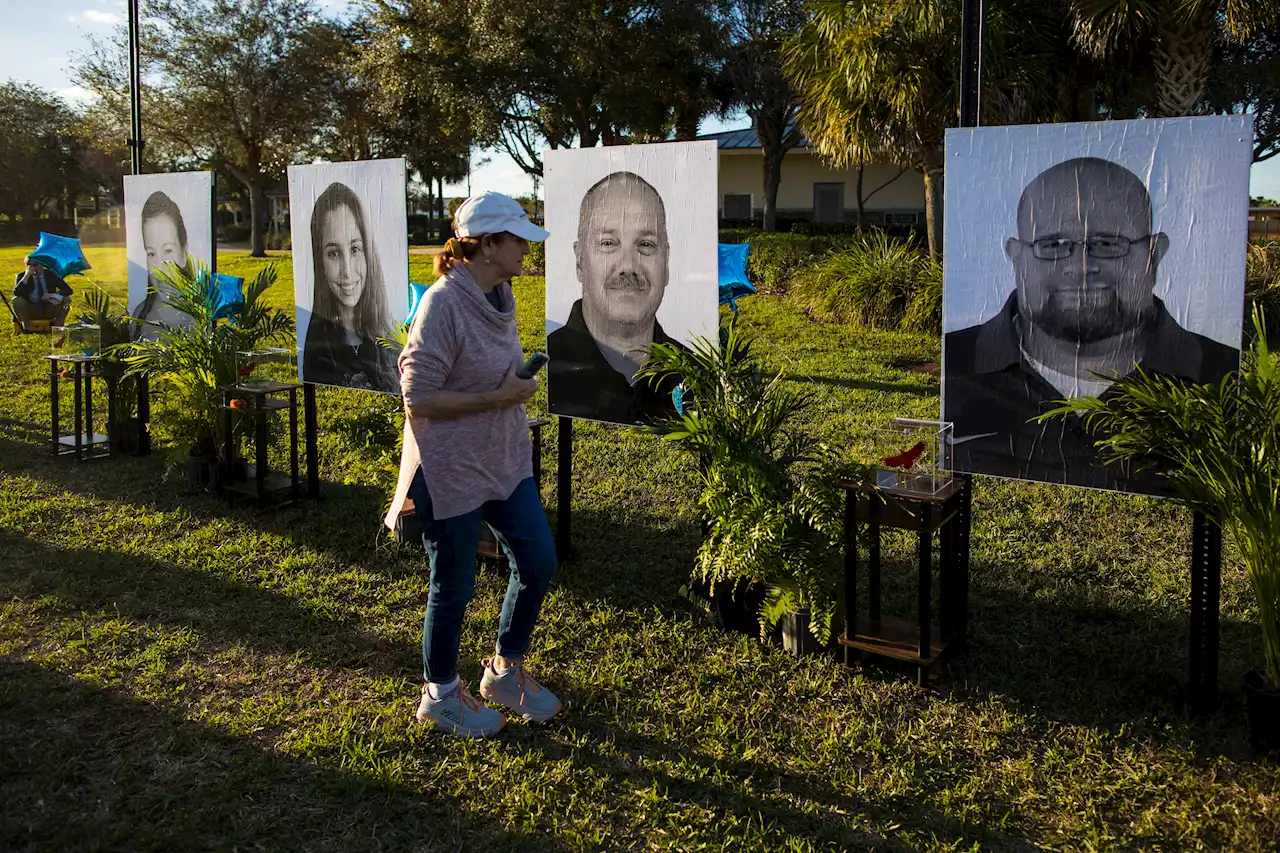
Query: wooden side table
(84,443)
(267,489)
(920,642)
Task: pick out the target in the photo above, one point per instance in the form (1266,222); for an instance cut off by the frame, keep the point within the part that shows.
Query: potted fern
(194,360)
(1219,447)
(772,512)
(115,328)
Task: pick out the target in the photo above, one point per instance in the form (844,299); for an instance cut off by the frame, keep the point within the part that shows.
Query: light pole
(135,89)
(973,17)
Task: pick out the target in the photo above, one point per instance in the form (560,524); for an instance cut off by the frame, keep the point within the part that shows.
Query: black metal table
(917,642)
(84,443)
(267,489)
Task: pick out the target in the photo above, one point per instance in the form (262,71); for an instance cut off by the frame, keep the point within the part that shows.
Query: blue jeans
(451,544)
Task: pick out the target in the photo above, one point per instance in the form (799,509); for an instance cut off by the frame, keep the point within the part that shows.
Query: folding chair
(18,327)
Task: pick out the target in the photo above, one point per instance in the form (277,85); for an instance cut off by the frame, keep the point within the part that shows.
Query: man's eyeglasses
(1101,246)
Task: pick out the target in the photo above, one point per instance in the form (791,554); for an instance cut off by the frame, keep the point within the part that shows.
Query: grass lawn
(177,676)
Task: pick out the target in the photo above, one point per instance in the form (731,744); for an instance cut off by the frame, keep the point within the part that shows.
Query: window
(737,206)
(899,219)
(828,202)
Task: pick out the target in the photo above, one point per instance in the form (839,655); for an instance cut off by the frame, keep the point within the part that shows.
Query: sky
(40,36)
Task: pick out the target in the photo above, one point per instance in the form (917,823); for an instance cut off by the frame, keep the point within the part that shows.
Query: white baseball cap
(490,213)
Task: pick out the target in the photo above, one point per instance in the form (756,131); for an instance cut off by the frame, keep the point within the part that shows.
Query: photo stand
(268,490)
(83,444)
(1206,595)
(923,644)
(409,528)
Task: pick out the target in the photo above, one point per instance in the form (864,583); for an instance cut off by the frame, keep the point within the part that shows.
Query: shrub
(876,281)
(535,263)
(1262,284)
(776,258)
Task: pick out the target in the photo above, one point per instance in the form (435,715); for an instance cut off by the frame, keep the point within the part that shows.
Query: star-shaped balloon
(62,255)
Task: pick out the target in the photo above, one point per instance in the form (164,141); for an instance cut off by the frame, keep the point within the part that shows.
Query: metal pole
(135,88)
(973,16)
(564,488)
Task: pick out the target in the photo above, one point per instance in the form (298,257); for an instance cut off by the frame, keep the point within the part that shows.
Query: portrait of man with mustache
(622,259)
(1083,314)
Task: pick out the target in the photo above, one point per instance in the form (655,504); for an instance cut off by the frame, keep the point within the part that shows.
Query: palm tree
(881,78)
(1181,34)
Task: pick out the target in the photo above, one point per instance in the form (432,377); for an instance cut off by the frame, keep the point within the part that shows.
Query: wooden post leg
(1206,583)
(260,456)
(313,448)
(850,569)
(79,417)
(873,559)
(293,444)
(88,411)
(924,547)
(564,488)
(55,427)
(144,415)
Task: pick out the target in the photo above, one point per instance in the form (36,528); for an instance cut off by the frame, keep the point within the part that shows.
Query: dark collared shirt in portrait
(584,385)
(992,395)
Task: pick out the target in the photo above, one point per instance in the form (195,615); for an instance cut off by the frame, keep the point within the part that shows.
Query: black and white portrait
(631,261)
(350,259)
(1121,246)
(168,220)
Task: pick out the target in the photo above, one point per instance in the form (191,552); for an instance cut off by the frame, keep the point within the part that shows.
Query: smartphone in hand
(535,363)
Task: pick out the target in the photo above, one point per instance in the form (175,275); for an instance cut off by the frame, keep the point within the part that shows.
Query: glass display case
(76,339)
(266,366)
(913,457)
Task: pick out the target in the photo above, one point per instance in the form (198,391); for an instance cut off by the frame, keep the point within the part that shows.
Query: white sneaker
(517,690)
(458,713)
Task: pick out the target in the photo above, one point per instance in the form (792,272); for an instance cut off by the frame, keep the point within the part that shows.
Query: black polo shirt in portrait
(992,395)
(582,383)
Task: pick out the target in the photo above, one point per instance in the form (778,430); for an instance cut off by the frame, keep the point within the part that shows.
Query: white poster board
(1072,253)
(168,218)
(350,270)
(631,259)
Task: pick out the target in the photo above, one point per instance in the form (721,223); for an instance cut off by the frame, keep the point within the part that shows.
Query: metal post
(564,487)
(144,415)
(850,567)
(1206,591)
(53,406)
(135,88)
(973,17)
(924,590)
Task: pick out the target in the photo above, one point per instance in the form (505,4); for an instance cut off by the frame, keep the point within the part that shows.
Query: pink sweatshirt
(460,342)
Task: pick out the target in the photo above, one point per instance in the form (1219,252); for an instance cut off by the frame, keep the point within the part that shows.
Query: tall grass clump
(875,281)
(1262,284)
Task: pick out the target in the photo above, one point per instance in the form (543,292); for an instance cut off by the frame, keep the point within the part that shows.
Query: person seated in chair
(39,294)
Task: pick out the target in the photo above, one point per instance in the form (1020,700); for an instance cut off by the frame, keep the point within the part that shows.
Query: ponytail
(455,249)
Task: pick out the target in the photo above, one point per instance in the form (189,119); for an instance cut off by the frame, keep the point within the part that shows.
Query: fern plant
(774,512)
(194,361)
(1219,446)
(114,329)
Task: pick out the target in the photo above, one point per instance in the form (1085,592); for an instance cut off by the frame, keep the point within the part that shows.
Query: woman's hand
(513,391)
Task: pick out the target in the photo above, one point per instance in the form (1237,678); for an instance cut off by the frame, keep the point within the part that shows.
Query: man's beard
(1066,319)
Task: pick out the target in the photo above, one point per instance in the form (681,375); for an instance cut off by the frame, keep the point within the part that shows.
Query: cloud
(95,17)
(74,94)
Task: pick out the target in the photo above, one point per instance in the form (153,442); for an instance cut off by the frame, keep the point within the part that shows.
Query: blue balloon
(677,397)
(230,289)
(62,255)
(416,292)
(733,273)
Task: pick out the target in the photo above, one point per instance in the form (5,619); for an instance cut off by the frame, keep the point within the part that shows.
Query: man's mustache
(626,281)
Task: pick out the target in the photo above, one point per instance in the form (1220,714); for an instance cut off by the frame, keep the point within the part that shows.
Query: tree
(883,76)
(238,85)
(1245,78)
(754,78)
(50,154)
(1180,33)
(559,73)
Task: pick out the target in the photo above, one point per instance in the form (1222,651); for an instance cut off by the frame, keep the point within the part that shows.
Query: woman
(164,238)
(467,460)
(349,305)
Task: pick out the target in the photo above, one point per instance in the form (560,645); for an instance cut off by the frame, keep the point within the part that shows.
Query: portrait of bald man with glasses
(1082,315)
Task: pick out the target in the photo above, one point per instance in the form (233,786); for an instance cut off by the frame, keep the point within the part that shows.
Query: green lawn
(177,676)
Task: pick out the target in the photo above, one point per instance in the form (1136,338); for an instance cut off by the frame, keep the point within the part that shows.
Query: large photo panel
(1075,253)
(631,260)
(350,270)
(168,218)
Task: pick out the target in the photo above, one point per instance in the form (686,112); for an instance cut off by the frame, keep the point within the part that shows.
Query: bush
(1262,284)
(535,263)
(776,258)
(876,281)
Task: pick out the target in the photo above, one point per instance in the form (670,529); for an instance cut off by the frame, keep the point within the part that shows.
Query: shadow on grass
(222,611)
(88,769)
(914,389)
